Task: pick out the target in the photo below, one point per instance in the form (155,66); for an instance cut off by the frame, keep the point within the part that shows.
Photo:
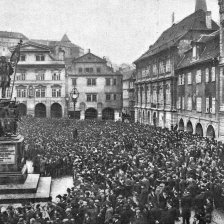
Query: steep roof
(211,51)
(127,74)
(65,38)
(195,21)
(12,35)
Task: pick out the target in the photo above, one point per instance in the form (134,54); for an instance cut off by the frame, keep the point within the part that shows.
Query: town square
(112,112)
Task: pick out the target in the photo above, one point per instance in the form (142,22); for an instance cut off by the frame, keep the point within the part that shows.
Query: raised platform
(35,189)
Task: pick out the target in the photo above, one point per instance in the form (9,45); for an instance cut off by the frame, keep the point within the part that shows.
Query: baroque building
(156,83)
(39,82)
(100,89)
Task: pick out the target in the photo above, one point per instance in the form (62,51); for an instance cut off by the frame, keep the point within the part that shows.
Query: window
(91,97)
(91,82)
(198,76)
(22,58)
(56,92)
(21,77)
(182,102)
(80,70)
(168,65)
(98,70)
(40,92)
(161,67)
(181,79)
(74,81)
(213,74)
(107,81)
(56,76)
(207,75)
(40,58)
(154,69)
(189,103)
(21,93)
(89,70)
(178,102)
(115,82)
(40,77)
(115,97)
(198,104)
(8,92)
(108,97)
(189,78)
(213,105)
(207,108)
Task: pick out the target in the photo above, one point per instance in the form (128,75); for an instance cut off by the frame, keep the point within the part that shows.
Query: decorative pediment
(21,87)
(89,58)
(56,86)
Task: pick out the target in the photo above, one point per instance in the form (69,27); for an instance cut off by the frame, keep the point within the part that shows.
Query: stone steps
(29,186)
(41,194)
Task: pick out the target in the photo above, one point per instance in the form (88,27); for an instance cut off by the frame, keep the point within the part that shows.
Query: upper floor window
(114,82)
(108,97)
(181,79)
(40,77)
(21,93)
(89,70)
(198,76)
(98,70)
(161,67)
(168,65)
(154,69)
(40,92)
(91,97)
(189,103)
(56,76)
(91,82)
(56,92)
(107,81)
(8,92)
(198,104)
(80,70)
(40,58)
(207,75)
(21,77)
(115,96)
(213,74)
(189,78)
(74,82)
(22,58)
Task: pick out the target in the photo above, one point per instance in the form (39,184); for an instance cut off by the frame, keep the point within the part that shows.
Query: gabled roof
(210,52)
(195,21)
(89,58)
(127,74)
(31,46)
(12,35)
(65,38)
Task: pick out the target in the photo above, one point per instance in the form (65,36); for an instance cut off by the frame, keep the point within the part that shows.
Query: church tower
(201,4)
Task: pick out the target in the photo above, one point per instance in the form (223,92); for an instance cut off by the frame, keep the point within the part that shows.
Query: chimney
(88,50)
(201,5)
(209,19)
(173,18)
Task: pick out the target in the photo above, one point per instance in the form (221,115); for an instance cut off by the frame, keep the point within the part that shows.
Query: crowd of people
(124,173)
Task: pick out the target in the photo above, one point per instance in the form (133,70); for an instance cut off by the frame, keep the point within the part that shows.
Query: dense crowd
(123,173)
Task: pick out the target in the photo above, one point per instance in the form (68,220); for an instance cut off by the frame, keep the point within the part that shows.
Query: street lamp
(74,94)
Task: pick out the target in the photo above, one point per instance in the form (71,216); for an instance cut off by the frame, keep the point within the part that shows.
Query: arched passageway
(22,109)
(181,125)
(108,114)
(199,130)
(40,110)
(90,114)
(189,127)
(210,132)
(56,110)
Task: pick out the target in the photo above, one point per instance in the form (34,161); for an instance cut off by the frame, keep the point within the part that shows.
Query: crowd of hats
(125,173)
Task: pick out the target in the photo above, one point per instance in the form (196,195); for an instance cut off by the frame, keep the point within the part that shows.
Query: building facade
(100,89)
(198,98)
(128,94)
(39,82)
(156,85)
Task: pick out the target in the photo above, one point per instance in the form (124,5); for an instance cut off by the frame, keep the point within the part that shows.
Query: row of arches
(210,132)
(40,111)
(92,113)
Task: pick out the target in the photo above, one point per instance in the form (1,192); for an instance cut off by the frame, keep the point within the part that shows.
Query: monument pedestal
(16,185)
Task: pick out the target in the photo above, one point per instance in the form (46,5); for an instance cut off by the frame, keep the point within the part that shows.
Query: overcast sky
(119,29)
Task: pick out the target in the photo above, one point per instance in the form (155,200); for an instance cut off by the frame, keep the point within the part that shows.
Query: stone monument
(16,185)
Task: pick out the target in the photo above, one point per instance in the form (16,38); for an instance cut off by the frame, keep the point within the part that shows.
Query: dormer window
(40,58)
(194,56)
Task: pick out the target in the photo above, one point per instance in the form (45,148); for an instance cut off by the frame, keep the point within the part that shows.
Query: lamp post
(74,94)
